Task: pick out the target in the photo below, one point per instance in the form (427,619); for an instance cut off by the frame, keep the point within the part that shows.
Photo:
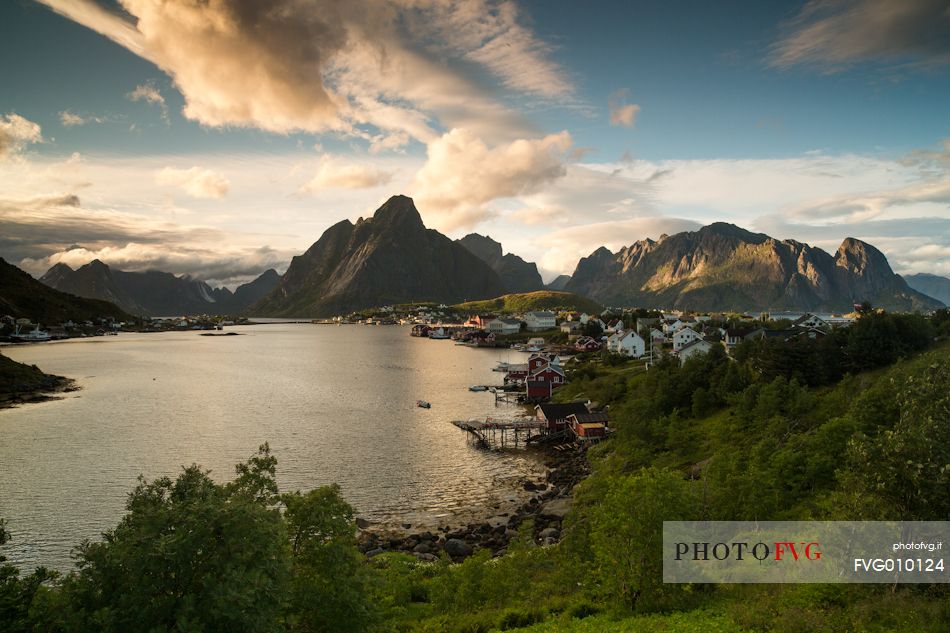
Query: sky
(218,138)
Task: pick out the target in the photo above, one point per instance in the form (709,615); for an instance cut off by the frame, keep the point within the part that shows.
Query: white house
(540,321)
(504,326)
(695,348)
(571,327)
(683,337)
(809,320)
(584,318)
(682,322)
(615,326)
(628,343)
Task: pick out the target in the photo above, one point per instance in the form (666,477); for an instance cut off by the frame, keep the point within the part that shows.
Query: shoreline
(45,393)
(492,526)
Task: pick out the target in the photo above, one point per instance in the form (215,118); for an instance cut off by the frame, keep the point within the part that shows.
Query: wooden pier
(498,433)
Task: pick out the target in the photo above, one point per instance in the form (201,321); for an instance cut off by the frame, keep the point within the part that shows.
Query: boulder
(550,532)
(457,548)
(557,508)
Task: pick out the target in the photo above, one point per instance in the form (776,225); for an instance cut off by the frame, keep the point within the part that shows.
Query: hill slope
(724,267)
(526,302)
(21,296)
(390,258)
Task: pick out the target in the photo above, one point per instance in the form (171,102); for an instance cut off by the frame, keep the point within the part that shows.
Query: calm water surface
(336,403)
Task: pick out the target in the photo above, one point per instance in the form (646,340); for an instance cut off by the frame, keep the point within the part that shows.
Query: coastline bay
(336,404)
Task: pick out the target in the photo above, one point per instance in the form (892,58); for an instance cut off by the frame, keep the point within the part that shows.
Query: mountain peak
(487,249)
(731,230)
(858,256)
(399,210)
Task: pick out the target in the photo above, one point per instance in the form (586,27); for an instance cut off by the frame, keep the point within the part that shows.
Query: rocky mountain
(931,285)
(724,267)
(389,258)
(155,293)
(558,283)
(21,296)
(516,274)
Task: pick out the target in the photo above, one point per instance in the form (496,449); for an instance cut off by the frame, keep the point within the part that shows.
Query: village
(25,330)
(557,340)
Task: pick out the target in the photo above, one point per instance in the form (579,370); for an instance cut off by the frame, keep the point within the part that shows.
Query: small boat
(478,388)
(422,404)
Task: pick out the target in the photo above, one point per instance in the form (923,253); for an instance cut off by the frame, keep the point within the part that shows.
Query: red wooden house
(588,427)
(555,415)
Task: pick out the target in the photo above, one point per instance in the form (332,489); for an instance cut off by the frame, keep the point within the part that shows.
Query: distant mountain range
(21,296)
(387,259)
(724,267)
(393,258)
(516,274)
(558,283)
(155,293)
(931,285)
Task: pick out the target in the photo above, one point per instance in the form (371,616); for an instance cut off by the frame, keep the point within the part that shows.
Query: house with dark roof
(734,336)
(588,427)
(809,320)
(555,414)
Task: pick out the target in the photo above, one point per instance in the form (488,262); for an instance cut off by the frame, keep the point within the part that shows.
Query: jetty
(498,433)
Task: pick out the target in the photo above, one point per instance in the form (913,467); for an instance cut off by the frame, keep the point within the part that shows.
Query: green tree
(908,464)
(331,586)
(190,555)
(626,533)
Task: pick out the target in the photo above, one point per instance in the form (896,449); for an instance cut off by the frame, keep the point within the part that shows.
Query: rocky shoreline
(547,505)
(21,384)
(49,390)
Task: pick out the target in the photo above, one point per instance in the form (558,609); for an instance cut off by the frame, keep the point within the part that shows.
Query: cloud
(399,66)
(70,119)
(196,181)
(148,93)
(39,232)
(870,205)
(336,173)
(491,33)
(836,34)
(462,174)
(16,133)
(622,113)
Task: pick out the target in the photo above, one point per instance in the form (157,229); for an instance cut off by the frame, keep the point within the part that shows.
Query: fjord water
(336,404)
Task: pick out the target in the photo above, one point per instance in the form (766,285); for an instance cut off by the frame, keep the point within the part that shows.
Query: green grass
(528,301)
(684,622)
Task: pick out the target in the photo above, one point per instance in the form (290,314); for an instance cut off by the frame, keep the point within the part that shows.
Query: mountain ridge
(724,267)
(156,293)
(517,275)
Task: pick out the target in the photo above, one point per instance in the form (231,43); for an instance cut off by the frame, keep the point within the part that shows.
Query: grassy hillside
(528,301)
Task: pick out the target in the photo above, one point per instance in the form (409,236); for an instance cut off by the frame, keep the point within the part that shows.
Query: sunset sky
(221,137)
